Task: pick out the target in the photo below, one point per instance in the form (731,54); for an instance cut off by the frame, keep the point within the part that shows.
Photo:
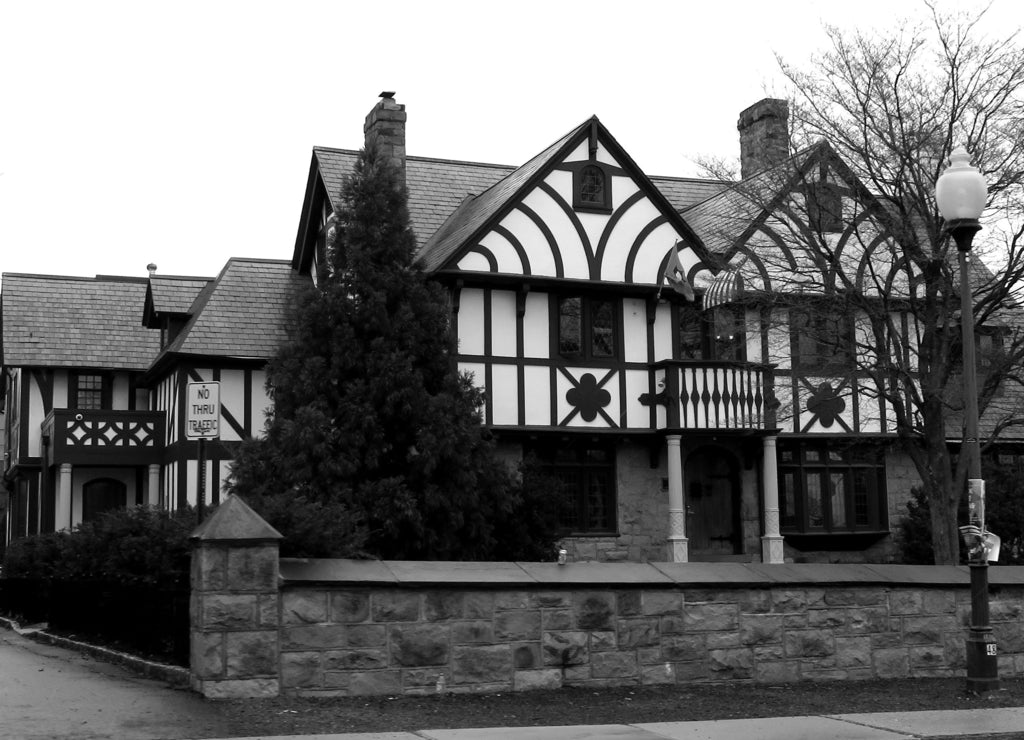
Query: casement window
(989,346)
(587,328)
(831,488)
(89,391)
(592,188)
(728,334)
(716,334)
(692,333)
(822,340)
(587,475)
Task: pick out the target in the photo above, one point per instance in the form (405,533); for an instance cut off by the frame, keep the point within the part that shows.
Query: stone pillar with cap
(234,605)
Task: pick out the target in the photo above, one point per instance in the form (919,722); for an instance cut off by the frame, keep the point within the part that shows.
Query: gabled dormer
(170,302)
(579,210)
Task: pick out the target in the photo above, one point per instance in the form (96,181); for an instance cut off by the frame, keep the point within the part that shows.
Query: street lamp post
(961,193)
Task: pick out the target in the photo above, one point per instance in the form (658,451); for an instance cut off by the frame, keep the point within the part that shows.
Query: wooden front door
(712,503)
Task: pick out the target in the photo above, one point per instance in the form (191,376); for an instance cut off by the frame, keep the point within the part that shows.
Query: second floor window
(716,334)
(587,328)
(88,391)
(728,334)
(691,333)
(822,340)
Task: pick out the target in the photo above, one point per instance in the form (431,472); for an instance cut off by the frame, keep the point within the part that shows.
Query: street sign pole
(201,495)
(202,422)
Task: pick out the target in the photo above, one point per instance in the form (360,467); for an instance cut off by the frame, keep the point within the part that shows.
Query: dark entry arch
(102,494)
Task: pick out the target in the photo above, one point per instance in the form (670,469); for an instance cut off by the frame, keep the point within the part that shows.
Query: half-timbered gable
(554,272)
(788,277)
(231,326)
(800,238)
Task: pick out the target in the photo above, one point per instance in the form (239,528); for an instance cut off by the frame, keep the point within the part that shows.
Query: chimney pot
(764,135)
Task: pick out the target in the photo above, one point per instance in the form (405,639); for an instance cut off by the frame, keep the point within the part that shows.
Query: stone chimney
(764,135)
(386,124)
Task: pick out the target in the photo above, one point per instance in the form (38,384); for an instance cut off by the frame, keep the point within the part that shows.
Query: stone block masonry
(348,628)
(234,606)
(372,640)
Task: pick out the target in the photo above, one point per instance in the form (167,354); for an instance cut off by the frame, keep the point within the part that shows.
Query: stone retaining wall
(338,627)
(344,638)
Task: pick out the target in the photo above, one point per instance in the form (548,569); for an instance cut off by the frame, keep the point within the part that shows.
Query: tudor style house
(641,335)
(95,373)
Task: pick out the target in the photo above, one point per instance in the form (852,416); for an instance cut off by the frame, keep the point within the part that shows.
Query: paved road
(52,693)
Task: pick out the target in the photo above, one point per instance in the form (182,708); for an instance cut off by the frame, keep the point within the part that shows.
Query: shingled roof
(56,321)
(475,211)
(437,187)
(245,313)
(174,294)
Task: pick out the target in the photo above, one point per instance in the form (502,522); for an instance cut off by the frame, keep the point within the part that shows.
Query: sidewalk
(1005,724)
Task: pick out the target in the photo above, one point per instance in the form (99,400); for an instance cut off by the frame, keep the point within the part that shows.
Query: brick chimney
(386,124)
(764,135)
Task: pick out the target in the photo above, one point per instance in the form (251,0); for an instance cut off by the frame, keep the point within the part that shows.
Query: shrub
(1004,515)
(133,546)
(1004,510)
(34,557)
(916,530)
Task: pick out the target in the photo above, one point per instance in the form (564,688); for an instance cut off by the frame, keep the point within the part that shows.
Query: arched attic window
(592,189)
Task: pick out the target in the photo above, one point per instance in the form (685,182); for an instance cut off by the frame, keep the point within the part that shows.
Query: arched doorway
(102,495)
(712,503)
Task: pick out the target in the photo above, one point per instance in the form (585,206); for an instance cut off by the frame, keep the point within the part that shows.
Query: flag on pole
(676,275)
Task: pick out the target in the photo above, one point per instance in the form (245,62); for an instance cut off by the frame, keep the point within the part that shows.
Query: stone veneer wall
(339,627)
(539,626)
(642,514)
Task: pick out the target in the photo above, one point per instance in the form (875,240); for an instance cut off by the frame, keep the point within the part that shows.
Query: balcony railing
(104,437)
(716,395)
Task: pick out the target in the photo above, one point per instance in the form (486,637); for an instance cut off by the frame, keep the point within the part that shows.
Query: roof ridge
(675,178)
(158,276)
(83,278)
(270,260)
(421,158)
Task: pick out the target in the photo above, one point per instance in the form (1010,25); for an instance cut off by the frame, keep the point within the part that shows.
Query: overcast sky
(181,133)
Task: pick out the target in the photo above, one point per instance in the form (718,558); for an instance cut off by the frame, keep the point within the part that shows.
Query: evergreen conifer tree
(375,445)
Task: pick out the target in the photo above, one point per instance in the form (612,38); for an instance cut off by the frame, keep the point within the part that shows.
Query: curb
(173,675)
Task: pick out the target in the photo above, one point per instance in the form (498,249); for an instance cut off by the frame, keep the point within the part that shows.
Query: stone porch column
(678,546)
(62,514)
(153,492)
(234,607)
(771,541)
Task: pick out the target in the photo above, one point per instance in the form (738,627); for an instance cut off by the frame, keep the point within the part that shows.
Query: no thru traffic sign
(202,411)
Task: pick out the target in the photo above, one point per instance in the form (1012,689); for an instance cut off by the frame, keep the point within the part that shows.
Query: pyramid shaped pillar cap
(235,521)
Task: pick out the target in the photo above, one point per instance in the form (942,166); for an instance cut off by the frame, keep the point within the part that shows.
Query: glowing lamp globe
(961,191)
